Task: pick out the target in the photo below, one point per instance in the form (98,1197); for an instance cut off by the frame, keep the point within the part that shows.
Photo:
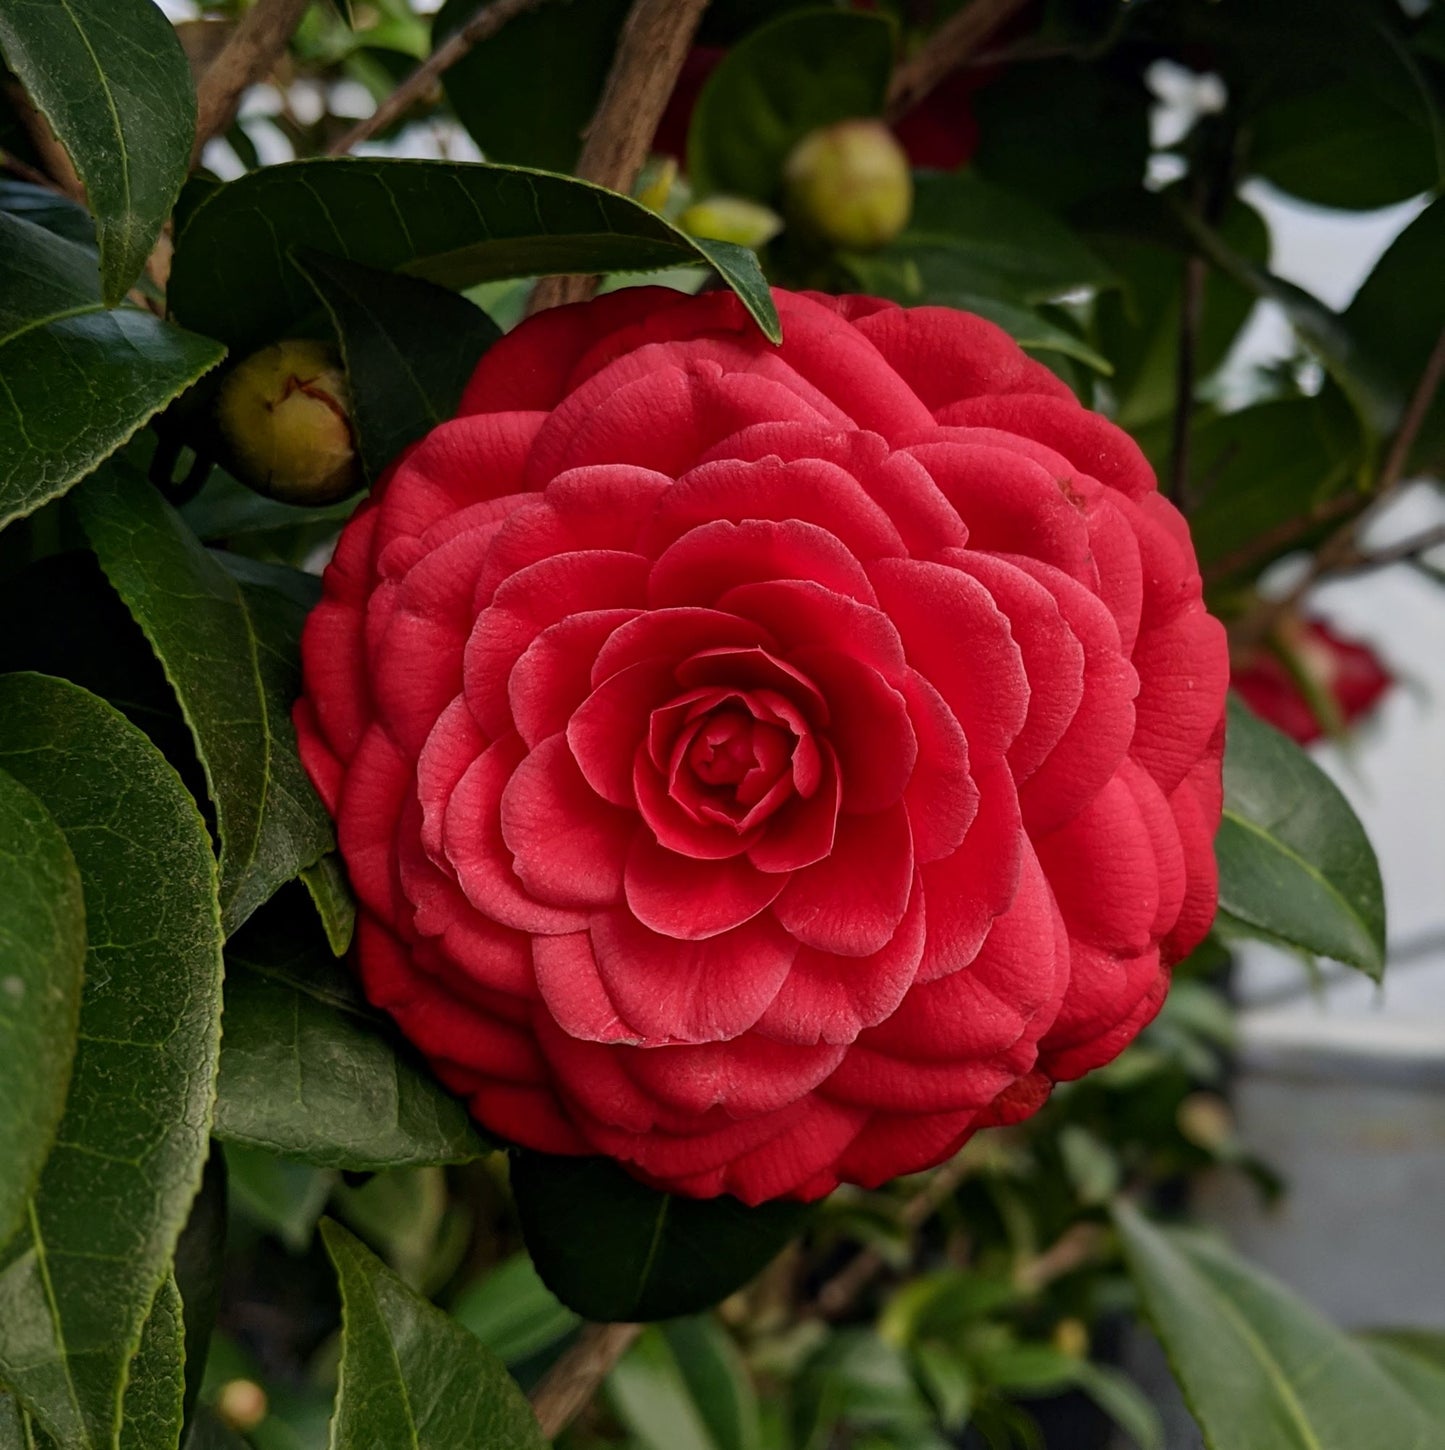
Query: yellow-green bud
(242,1405)
(731,219)
(1205,1120)
(285,414)
(849,185)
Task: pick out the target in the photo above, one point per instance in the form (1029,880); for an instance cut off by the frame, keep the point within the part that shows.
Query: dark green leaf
(1259,469)
(716,1378)
(1295,865)
(653,1401)
(283,1197)
(409,347)
(1346,145)
(208,1432)
(332,898)
(452,223)
(513,1312)
(806,69)
(231,661)
(309,1072)
(613,1249)
(199,1261)
(410,1375)
(527,92)
(1023,112)
(48,209)
(1422,1378)
(969,237)
(42,959)
(76,380)
(114,84)
(1395,329)
(1257,1366)
(115,1191)
(151,1412)
(12,1425)
(1122,1400)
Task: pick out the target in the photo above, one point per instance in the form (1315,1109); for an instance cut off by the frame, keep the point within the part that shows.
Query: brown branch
(844,1287)
(1191,315)
(650,51)
(1074,1248)
(567,1388)
(255,45)
(1342,547)
(482,26)
(953,43)
(1262,546)
(1403,552)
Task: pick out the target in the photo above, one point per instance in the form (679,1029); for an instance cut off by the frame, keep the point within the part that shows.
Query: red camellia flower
(1346,673)
(767,765)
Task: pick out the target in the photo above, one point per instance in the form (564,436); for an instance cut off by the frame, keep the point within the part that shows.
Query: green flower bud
(731,219)
(849,185)
(285,414)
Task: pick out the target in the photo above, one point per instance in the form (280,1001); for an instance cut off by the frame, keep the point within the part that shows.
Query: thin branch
(650,52)
(1075,1247)
(255,45)
(482,26)
(1191,315)
(1403,552)
(950,46)
(567,1388)
(1342,547)
(1262,546)
(844,1287)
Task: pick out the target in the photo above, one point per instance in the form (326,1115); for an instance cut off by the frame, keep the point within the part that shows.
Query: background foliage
(173,1263)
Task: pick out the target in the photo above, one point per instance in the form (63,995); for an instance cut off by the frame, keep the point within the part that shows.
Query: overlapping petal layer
(767,766)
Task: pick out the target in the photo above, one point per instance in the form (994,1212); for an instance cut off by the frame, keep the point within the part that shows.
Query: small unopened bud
(1071,1337)
(242,1405)
(285,414)
(849,185)
(1205,1120)
(731,219)
(655,185)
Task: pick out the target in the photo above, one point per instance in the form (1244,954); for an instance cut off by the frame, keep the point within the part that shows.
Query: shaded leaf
(75,380)
(1295,865)
(114,1194)
(526,93)
(325,880)
(48,209)
(283,1197)
(513,1312)
(42,961)
(806,69)
(151,1413)
(613,1249)
(409,348)
(452,223)
(1422,1378)
(231,661)
(197,1267)
(113,82)
(310,1072)
(410,1375)
(1257,1365)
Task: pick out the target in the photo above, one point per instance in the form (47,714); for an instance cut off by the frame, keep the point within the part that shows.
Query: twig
(1403,552)
(650,51)
(953,43)
(254,46)
(1341,547)
(1074,1248)
(1263,545)
(482,26)
(565,1390)
(844,1287)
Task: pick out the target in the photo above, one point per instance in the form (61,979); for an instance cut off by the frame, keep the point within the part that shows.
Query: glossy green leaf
(1259,1367)
(231,662)
(1396,332)
(308,1071)
(613,1249)
(48,209)
(526,93)
(410,1375)
(75,380)
(114,84)
(409,347)
(452,223)
(513,1312)
(151,1412)
(42,962)
(1295,865)
(806,69)
(969,237)
(114,1194)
